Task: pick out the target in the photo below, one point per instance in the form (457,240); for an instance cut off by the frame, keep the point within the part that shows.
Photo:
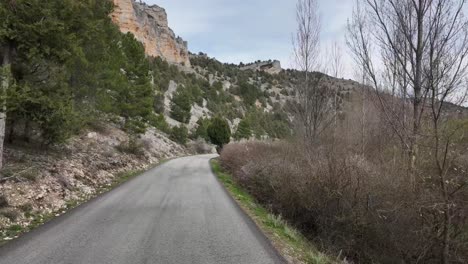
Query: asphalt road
(175,213)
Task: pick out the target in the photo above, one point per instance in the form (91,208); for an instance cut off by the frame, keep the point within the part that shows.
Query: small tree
(243,130)
(179,134)
(202,129)
(181,106)
(219,132)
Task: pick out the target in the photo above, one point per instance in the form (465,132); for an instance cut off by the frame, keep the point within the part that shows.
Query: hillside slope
(38,183)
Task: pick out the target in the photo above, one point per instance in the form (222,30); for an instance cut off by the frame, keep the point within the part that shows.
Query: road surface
(176,213)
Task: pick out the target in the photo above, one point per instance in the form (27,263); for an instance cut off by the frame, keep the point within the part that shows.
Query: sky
(236,31)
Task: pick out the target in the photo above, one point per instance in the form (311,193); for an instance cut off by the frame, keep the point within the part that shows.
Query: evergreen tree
(179,134)
(64,62)
(134,101)
(202,129)
(35,42)
(243,130)
(181,106)
(219,132)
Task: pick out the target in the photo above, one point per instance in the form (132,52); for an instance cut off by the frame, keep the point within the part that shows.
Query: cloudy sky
(248,30)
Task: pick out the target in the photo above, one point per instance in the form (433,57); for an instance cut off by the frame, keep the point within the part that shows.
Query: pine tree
(24,25)
(179,134)
(219,132)
(181,106)
(243,130)
(202,129)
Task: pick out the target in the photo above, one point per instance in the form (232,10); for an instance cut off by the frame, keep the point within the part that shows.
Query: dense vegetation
(70,66)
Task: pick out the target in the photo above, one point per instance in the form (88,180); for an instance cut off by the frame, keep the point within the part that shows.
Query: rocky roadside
(38,185)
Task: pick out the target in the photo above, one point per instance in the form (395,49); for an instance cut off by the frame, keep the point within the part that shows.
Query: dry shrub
(10,213)
(348,202)
(132,146)
(200,146)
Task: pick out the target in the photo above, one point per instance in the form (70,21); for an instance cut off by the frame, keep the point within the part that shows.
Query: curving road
(176,213)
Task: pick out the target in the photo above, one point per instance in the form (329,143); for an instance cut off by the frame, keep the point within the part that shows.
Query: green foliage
(202,129)
(274,125)
(243,130)
(159,122)
(214,66)
(134,95)
(181,105)
(179,134)
(71,63)
(250,93)
(219,131)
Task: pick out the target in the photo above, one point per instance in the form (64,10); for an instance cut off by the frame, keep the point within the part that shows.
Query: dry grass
(359,206)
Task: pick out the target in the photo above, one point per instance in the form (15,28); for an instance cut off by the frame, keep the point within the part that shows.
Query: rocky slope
(149,24)
(40,183)
(271,67)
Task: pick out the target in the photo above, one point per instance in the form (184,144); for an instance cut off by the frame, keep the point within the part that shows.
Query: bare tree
(335,57)
(401,31)
(335,68)
(421,48)
(313,98)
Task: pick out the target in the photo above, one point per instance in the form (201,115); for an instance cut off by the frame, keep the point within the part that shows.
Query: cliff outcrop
(150,26)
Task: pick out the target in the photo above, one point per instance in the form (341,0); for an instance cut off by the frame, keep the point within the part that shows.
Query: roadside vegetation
(379,174)
(286,239)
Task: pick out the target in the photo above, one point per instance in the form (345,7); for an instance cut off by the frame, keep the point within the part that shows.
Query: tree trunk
(414,141)
(5,85)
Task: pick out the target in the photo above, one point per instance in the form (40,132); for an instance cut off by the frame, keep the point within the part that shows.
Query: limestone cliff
(149,24)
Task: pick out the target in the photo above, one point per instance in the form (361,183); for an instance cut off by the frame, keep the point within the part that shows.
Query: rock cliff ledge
(150,26)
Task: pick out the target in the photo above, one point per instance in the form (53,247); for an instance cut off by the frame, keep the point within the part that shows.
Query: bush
(219,132)
(346,202)
(159,122)
(200,146)
(202,129)
(179,134)
(132,146)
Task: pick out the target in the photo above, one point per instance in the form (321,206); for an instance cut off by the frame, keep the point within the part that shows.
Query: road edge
(253,225)
(43,220)
(290,252)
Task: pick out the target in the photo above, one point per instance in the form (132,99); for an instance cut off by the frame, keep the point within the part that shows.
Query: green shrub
(159,122)
(181,106)
(179,134)
(219,132)
(202,129)
(243,130)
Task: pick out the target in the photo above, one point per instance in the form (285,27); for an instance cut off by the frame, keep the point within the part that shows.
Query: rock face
(149,24)
(272,67)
